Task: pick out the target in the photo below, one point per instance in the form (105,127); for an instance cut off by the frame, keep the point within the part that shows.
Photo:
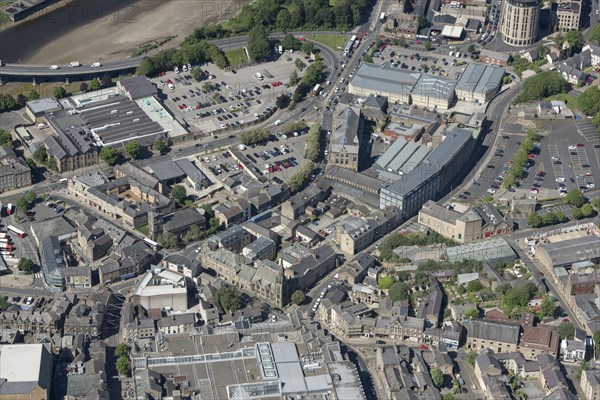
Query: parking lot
(227,98)
(432,62)
(277,160)
(567,159)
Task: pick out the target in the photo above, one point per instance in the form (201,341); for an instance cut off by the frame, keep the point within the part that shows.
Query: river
(88,31)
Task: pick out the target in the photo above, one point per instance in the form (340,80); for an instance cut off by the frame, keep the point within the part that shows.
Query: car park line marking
(556,168)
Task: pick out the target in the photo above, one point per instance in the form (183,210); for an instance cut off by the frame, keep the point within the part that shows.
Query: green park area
(335,42)
(236,56)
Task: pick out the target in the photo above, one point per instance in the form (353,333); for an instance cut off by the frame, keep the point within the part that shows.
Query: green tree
(577,214)
(4,303)
(437,377)
(575,198)
(109,155)
(229,298)
(584,366)
(106,81)
(94,84)
(7,102)
(30,163)
(549,219)
(566,330)
(448,396)
(30,197)
(474,286)
(122,349)
(535,220)
(548,307)
(398,291)
(421,278)
(470,357)
(6,139)
(25,266)
(518,297)
(596,339)
(198,74)
(40,155)
(160,145)
(561,217)
(259,47)
(471,48)
(168,240)
(367,58)
(289,42)
(542,85)
(313,73)
(294,79)
(589,101)
(595,34)
(123,365)
(21,100)
(254,136)
(427,45)
(299,180)
(83,87)
(33,95)
(308,47)
(192,234)
(134,149)
(59,92)
(179,193)
(282,100)
(385,282)
(299,64)
(587,210)
(472,313)
(298,297)
(21,204)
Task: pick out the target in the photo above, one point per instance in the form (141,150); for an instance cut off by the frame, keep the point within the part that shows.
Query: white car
(572,147)
(560,179)
(555,158)
(563,194)
(590,186)
(491,191)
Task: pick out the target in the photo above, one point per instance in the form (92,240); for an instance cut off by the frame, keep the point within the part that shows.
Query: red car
(580,145)
(541,173)
(588,174)
(531,156)
(169,81)
(419,42)
(301,39)
(423,347)
(206,72)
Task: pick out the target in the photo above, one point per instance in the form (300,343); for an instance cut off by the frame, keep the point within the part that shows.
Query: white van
(171,86)
(184,68)
(278,122)
(96,65)
(176,69)
(53,67)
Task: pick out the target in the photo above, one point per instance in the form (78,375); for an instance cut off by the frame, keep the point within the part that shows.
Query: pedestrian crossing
(38,275)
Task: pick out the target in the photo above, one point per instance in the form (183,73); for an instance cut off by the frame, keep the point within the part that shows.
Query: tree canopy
(25,266)
(589,101)
(385,282)
(437,376)
(595,34)
(298,297)
(542,85)
(398,291)
(298,180)
(6,139)
(548,307)
(575,198)
(566,330)
(7,102)
(109,155)
(179,193)
(229,298)
(59,92)
(254,136)
(134,149)
(290,42)
(259,47)
(313,142)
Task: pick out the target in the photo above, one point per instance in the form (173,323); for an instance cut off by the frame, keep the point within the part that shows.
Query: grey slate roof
(496,331)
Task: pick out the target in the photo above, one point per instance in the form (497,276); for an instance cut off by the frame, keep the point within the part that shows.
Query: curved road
(133,62)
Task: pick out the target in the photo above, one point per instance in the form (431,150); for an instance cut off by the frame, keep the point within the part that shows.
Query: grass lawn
(236,56)
(333,41)
(570,101)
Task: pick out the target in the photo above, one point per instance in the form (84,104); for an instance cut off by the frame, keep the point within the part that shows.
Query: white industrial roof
(21,362)
(452,31)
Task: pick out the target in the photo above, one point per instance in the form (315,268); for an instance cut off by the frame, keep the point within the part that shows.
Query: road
(23,70)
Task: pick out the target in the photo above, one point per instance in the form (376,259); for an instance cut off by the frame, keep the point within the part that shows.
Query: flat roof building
(392,83)
(402,157)
(431,178)
(479,82)
(567,252)
(137,87)
(25,371)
